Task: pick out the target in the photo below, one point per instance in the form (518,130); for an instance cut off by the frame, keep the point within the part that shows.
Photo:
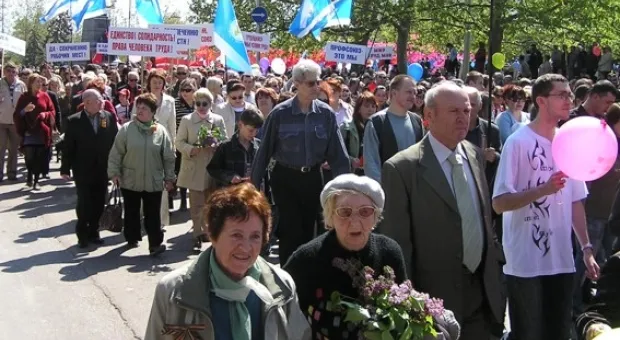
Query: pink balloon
(585,148)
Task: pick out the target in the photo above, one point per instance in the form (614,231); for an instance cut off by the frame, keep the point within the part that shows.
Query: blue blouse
(220,314)
(508,124)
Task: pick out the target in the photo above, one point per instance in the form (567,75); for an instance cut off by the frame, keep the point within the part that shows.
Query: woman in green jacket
(141,162)
(353,131)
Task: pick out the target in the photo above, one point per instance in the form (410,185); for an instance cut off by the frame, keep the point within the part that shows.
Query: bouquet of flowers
(385,310)
(210,137)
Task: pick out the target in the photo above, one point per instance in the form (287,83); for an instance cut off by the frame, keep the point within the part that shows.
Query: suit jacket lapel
(434,175)
(476,170)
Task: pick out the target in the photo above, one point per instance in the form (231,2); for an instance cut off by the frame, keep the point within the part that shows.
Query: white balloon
(278,66)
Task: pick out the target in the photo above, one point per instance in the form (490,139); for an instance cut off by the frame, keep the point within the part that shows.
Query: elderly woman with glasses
(352,207)
(183,105)
(195,158)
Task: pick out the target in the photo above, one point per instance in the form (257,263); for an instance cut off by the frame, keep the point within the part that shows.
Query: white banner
(67,52)
(12,44)
(346,53)
(102,48)
(190,36)
(256,42)
(142,42)
(382,53)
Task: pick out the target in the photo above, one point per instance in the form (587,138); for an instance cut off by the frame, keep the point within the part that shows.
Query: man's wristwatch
(587,246)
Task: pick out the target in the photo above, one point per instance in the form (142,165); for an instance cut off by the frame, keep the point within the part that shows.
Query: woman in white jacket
(166,116)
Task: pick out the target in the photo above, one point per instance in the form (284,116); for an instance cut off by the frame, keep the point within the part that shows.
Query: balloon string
(603,123)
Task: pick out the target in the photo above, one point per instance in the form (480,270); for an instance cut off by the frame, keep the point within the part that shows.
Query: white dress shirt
(442,153)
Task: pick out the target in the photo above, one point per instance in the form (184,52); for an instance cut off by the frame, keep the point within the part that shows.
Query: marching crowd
(411,175)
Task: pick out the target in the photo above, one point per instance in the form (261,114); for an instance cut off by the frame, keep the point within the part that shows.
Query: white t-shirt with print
(537,237)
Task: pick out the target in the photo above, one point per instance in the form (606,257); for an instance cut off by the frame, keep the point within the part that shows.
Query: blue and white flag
(79,10)
(227,38)
(315,15)
(149,11)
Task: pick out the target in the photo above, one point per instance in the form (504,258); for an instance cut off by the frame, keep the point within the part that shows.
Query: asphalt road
(50,289)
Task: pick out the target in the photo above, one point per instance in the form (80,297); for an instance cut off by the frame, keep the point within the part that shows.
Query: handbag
(112,217)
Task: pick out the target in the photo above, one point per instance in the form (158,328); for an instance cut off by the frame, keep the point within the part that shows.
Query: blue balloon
(415,71)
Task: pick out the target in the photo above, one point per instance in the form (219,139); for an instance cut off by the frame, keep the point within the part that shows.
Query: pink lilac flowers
(385,309)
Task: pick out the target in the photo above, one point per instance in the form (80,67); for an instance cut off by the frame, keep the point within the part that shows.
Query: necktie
(470,218)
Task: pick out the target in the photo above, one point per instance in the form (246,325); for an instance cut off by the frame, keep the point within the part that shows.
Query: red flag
(97,58)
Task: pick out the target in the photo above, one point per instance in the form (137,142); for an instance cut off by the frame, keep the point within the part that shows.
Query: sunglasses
(202,104)
(363,212)
(236,98)
(181,74)
(312,83)
(187,90)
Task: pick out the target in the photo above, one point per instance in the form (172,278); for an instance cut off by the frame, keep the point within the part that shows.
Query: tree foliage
(28,28)
(59,29)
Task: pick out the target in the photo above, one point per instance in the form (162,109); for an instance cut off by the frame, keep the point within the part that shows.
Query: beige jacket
(226,111)
(193,172)
(7,103)
(181,304)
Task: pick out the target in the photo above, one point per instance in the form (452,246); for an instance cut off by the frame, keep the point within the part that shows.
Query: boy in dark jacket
(232,161)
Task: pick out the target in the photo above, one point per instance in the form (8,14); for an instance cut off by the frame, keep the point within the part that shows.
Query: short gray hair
(306,69)
(431,95)
(91,93)
(473,90)
(88,77)
(204,94)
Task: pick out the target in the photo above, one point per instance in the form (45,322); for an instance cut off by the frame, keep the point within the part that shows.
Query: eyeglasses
(236,98)
(205,104)
(187,90)
(348,212)
(564,95)
(181,74)
(312,83)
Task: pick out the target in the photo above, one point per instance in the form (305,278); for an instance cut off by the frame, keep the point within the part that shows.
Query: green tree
(59,29)
(28,28)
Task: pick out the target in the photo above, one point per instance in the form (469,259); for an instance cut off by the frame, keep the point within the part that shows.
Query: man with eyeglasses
(540,204)
(11,89)
(300,134)
(233,107)
(180,75)
(133,85)
(248,82)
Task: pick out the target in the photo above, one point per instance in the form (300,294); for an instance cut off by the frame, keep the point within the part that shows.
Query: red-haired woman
(353,131)
(34,119)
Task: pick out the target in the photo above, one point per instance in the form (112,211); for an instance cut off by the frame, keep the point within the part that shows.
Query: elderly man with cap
(88,139)
(300,134)
(352,206)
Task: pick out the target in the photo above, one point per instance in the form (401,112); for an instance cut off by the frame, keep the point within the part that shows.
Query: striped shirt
(182,109)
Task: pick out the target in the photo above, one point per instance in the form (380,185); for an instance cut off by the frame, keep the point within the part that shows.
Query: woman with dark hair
(166,116)
(141,162)
(381,94)
(266,100)
(34,119)
(514,117)
(229,291)
(418,103)
(353,131)
(183,105)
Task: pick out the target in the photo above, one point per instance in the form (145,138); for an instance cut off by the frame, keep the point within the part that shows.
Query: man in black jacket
(88,139)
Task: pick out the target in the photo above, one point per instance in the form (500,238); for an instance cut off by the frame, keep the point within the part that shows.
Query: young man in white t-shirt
(539,204)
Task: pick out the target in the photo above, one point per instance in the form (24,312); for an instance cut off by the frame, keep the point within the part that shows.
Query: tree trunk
(402,40)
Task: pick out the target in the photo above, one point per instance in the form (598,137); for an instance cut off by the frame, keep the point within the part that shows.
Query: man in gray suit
(438,209)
